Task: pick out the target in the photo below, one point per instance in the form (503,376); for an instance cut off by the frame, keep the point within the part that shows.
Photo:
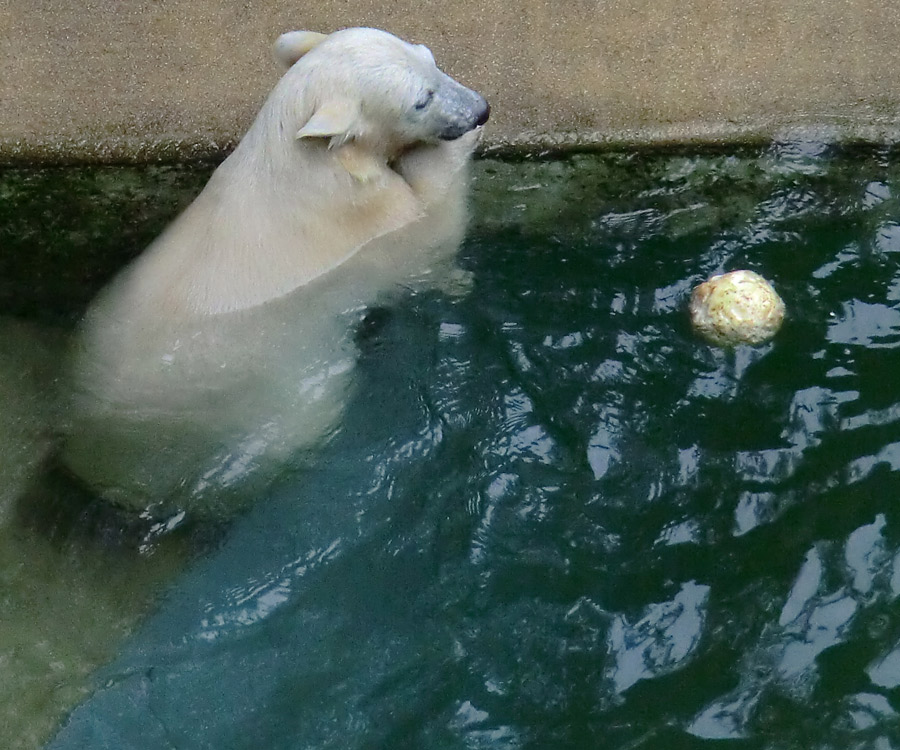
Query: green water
(554,518)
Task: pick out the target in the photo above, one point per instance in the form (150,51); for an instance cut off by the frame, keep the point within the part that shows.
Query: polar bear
(227,346)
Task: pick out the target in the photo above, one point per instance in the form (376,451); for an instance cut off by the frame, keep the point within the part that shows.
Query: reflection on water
(554,518)
(660,641)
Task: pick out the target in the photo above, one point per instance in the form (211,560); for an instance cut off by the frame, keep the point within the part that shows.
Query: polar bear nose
(469,111)
(479,110)
(483,116)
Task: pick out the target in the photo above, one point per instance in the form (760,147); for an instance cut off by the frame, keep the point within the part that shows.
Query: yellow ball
(739,307)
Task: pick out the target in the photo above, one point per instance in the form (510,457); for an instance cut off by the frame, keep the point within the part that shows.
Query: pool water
(553,518)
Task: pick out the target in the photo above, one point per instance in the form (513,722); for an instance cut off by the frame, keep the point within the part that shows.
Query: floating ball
(739,307)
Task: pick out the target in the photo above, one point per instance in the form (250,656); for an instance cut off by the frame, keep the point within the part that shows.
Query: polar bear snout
(462,110)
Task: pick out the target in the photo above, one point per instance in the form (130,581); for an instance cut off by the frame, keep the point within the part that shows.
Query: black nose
(473,115)
(483,115)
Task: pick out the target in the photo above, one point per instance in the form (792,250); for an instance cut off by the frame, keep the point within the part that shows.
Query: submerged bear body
(228,345)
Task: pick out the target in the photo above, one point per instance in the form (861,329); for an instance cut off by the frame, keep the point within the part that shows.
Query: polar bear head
(369,87)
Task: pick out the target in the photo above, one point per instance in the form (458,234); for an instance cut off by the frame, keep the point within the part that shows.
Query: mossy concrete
(143,79)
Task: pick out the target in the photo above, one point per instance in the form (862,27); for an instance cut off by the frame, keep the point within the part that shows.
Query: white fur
(227,345)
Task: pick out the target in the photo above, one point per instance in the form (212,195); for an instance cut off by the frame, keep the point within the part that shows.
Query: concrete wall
(139,79)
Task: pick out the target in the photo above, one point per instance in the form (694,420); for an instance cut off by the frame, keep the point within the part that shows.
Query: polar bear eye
(425,100)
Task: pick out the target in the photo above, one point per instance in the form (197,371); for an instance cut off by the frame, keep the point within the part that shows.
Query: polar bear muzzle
(461,109)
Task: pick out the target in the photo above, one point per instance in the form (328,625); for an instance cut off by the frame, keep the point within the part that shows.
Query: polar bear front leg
(437,172)
(437,175)
(361,164)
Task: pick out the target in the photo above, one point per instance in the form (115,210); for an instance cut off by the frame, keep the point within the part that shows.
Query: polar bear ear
(291,46)
(334,119)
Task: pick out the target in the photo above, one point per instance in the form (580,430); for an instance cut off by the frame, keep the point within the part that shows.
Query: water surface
(553,517)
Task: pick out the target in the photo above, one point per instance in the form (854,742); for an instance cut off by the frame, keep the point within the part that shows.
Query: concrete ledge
(143,80)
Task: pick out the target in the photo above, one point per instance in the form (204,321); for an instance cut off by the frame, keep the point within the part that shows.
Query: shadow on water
(553,518)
